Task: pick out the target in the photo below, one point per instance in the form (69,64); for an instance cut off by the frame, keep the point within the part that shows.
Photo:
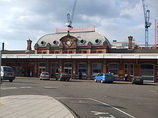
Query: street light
(1,61)
(0,66)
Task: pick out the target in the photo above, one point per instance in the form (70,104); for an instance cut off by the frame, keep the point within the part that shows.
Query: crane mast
(147,23)
(70,17)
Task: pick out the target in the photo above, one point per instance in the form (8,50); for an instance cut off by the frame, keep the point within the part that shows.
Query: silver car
(44,76)
(7,73)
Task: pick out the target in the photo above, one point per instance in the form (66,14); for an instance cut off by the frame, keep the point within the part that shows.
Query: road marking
(71,98)
(111,116)
(99,113)
(102,113)
(113,107)
(8,88)
(100,103)
(26,87)
(50,87)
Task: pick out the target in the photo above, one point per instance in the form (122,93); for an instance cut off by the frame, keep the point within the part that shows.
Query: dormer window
(43,42)
(97,41)
(82,41)
(55,42)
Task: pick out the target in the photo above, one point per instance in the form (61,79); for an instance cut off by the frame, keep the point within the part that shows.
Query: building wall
(69,45)
(90,67)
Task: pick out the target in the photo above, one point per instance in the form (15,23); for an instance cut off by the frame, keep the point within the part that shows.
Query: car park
(63,76)
(7,73)
(44,76)
(137,80)
(104,77)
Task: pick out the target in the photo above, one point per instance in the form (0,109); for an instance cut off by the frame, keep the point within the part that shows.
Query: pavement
(33,106)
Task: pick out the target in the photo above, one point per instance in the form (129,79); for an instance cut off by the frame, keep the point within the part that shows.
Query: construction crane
(70,17)
(147,23)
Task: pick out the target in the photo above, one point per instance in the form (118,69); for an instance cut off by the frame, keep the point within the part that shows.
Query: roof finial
(68,32)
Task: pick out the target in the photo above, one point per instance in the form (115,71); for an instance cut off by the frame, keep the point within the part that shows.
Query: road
(88,99)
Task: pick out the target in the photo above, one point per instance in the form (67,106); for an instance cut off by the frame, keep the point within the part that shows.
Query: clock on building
(68,42)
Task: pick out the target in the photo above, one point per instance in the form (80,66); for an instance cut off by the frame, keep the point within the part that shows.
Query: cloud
(31,19)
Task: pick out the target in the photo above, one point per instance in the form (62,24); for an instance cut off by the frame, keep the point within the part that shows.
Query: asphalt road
(88,99)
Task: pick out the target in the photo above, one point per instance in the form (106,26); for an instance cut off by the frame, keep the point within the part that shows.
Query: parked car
(63,76)
(137,80)
(104,77)
(7,73)
(44,76)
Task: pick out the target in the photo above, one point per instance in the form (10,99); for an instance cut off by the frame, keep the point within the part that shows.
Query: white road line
(99,113)
(98,102)
(26,87)
(113,107)
(8,88)
(72,98)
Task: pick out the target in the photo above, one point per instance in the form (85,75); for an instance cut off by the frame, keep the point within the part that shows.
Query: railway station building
(82,50)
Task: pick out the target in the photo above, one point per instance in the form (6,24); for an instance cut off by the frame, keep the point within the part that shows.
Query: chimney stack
(130,38)
(3,46)
(29,44)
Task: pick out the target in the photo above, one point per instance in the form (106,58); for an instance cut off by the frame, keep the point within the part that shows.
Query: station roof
(83,56)
(84,36)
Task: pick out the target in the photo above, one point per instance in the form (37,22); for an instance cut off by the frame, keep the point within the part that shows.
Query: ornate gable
(68,41)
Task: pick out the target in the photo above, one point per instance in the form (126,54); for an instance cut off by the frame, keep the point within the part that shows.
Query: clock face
(68,42)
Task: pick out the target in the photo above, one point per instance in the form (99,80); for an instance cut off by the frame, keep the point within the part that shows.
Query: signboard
(87,29)
(120,72)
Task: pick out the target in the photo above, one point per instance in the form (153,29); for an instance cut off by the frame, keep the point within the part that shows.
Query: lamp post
(0,66)
(1,61)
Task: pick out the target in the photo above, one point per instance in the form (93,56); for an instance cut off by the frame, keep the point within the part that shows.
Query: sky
(21,20)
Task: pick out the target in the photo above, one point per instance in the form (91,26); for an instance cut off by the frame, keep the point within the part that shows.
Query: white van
(7,73)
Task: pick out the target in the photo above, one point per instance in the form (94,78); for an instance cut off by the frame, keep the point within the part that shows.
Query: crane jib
(70,17)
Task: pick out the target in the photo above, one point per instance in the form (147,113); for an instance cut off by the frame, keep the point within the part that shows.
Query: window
(99,51)
(68,65)
(57,52)
(96,68)
(132,69)
(79,51)
(43,43)
(70,52)
(42,64)
(93,51)
(97,41)
(52,52)
(55,42)
(113,68)
(126,68)
(82,41)
(124,44)
(82,67)
(64,52)
(147,69)
(147,72)
(84,51)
